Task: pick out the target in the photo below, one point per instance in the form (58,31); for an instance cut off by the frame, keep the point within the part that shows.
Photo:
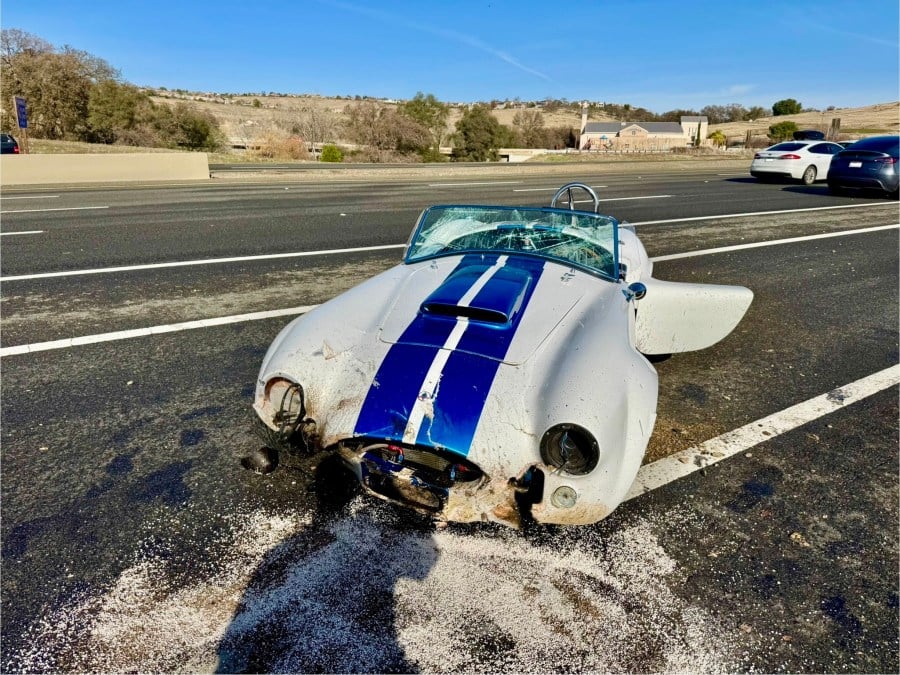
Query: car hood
(495,306)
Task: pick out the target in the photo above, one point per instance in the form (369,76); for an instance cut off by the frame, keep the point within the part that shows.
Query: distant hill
(882,118)
(249,116)
(240,117)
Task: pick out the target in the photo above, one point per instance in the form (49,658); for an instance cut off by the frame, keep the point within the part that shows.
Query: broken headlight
(570,448)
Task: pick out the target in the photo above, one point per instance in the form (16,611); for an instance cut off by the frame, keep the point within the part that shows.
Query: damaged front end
(436,482)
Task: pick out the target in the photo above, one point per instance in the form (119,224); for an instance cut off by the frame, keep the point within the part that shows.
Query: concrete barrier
(48,169)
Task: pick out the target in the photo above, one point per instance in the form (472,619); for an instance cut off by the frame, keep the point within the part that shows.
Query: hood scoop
(462,296)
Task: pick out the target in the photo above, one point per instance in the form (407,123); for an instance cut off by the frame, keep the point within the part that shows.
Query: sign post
(22,119)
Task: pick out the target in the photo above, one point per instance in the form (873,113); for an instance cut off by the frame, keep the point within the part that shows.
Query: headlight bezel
(570,449)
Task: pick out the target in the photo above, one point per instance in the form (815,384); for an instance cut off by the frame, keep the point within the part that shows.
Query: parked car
(806,161)
(871,163)
(845,144)
(809,135)
(498,373)
(8,145)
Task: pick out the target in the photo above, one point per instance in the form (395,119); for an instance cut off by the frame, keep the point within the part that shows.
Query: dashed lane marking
(272,256)
(556,189)
(505,182)
(67,208)
(205,323)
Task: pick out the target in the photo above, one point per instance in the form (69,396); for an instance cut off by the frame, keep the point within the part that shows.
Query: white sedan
(806,161)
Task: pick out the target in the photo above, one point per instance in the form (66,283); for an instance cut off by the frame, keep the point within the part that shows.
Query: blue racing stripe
(399,379)
(468,376)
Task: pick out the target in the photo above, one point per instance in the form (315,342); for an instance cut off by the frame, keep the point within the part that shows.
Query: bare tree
(385,131)
(530,124)
(316,126)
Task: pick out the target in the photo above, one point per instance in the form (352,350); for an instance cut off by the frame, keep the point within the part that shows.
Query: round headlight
(570,448)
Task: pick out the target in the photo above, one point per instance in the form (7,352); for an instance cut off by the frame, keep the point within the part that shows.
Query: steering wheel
(567,190)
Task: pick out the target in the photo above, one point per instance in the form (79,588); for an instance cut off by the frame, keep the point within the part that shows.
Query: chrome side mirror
(635,291)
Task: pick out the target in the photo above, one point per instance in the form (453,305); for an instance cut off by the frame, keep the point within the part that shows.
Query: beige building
(642,135)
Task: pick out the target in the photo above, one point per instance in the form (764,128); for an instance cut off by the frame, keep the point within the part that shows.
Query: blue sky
(658,54)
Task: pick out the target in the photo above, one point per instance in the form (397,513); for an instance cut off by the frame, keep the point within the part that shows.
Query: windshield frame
(546,219)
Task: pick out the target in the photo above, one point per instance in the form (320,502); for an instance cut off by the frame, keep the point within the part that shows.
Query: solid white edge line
(761,244)
(210,261)
(9,234)
(152,330)
(69,208)
(31,197)
(755,213)
(668,469)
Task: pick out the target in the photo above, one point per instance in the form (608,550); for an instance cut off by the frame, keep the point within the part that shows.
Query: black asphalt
(116,450)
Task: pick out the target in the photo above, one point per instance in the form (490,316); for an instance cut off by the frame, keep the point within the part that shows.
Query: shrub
(331,153)
(273,145)
(432,155)
(782,131)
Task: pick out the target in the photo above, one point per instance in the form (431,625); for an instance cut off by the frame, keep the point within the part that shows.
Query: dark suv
(8,145)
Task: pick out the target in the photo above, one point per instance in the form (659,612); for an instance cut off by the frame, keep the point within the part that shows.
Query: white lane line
(211,261)
(68,208)
(203,323)
(153,330)
(619,199)
(759,213)
(626,199)
(502,182)
(552,189)
(2,198)
(7,234)
(663,471)
(761,244)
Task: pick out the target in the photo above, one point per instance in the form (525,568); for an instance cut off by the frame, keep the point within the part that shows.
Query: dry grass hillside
(883,118)
(241,119)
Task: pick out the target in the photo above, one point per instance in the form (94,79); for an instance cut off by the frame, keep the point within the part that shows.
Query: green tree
(478,135)
(55,83)
(718,138)
(755,113)
(787,106)
(115,109)
(429,113)
(782,130)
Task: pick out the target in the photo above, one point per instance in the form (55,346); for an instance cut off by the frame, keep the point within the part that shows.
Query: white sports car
(499,372)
